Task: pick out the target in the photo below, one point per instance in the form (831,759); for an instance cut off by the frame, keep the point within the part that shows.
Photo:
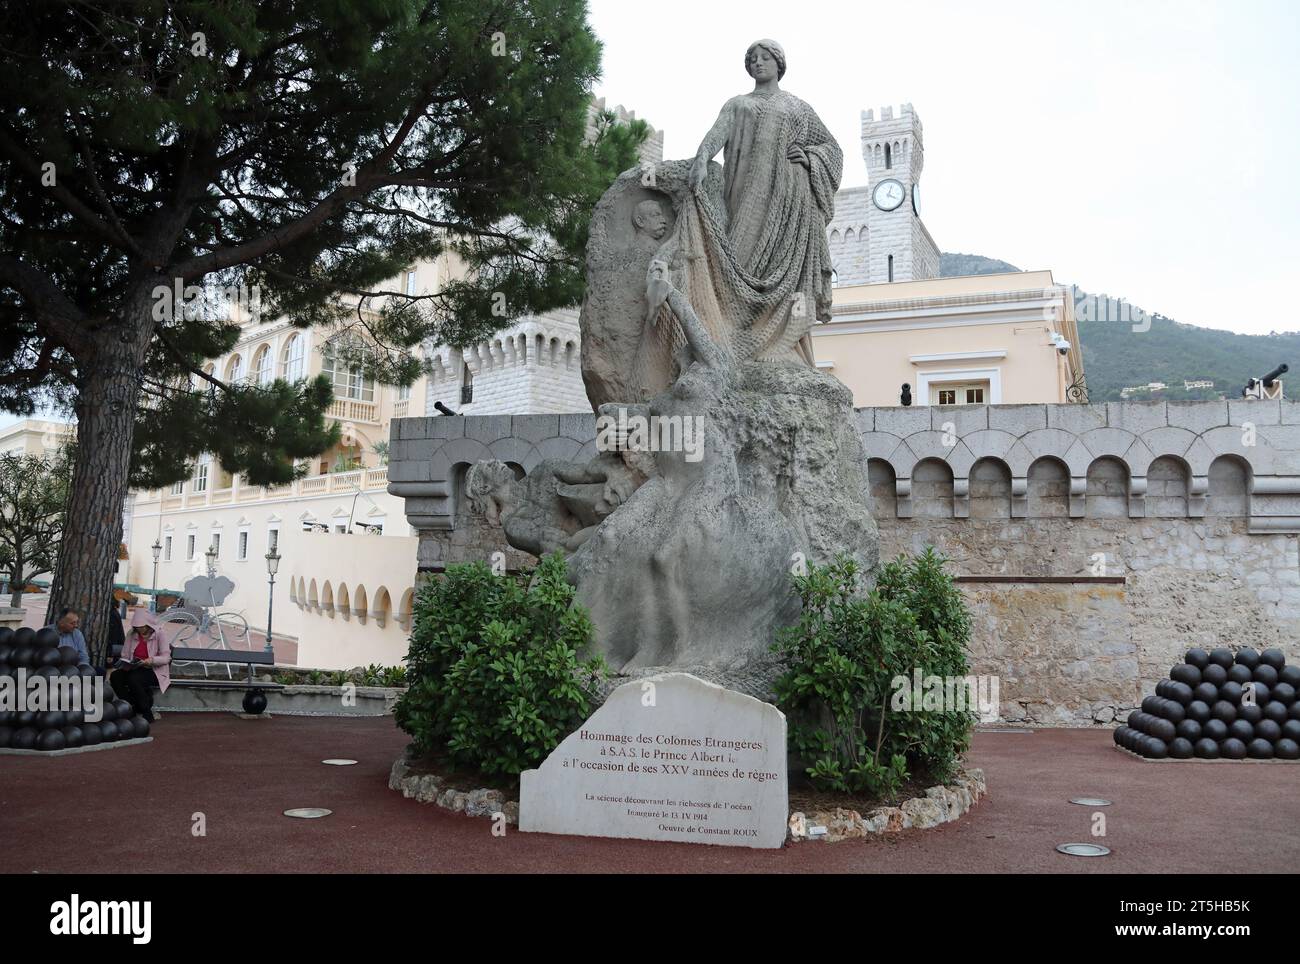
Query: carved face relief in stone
(491,490)
(648,217)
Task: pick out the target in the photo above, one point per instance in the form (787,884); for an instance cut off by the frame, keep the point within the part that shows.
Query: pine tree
(306,151)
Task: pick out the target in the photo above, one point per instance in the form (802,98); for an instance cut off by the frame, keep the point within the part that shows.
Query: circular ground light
(308,813)
(1090,801)
(338,763)
(1083,850)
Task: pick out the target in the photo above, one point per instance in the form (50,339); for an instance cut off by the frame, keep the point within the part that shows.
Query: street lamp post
(211,556)
(157,551)
(272,565)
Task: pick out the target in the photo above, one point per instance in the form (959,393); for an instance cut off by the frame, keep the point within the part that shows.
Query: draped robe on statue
(754,262)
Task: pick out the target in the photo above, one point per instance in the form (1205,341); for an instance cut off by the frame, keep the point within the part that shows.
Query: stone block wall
(846,236)
(1094,543)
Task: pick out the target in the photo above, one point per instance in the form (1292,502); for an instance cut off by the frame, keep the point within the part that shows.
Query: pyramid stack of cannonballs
(1217,706)
(38,652)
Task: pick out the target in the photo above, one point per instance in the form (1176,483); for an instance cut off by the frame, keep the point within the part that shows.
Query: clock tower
(877,235)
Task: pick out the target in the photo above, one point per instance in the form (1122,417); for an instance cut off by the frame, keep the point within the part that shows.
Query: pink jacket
(160,652)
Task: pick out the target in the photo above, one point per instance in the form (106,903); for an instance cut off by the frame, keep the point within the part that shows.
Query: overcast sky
(1149,149)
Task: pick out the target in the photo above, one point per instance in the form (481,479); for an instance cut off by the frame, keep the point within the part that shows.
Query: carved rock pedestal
(693,571)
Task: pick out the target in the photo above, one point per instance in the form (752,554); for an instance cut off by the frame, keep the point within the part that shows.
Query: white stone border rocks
(941,804)
(432,788)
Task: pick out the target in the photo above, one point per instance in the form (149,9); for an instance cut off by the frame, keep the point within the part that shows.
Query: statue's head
(764,59)
(490,490)
(648,216)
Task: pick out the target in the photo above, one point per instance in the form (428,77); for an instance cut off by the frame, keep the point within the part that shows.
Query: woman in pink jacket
(145,663)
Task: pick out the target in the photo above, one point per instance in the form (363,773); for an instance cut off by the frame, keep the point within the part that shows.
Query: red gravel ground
(64,814)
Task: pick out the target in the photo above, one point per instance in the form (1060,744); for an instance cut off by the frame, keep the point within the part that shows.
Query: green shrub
(843,658)
(494,670)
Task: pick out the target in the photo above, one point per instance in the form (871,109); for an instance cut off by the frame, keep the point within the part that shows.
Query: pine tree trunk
(107,398)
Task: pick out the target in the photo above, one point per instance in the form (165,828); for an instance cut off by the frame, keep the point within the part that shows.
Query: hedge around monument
(843,660)
(496,675)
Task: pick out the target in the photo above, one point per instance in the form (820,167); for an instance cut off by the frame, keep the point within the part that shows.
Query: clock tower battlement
(877,235)
(893,146)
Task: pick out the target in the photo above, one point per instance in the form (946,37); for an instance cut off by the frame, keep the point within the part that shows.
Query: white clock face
(889,194)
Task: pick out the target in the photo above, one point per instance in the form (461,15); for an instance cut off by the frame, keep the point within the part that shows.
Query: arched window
(891,267)
(889,158)
(235,370)
(835,277)
(262,373)
(350,380)
(293,358)
(466,386)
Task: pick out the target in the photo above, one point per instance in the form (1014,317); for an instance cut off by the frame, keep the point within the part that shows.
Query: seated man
(68,626)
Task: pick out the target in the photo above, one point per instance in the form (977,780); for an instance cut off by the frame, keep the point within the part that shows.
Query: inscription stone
(667,757)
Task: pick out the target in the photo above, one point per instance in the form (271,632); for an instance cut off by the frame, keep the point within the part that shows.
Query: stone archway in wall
(1048,489)
(1106,491)
(932,489)
(1168,482)
(406,610)
(884,489)
(382,609)
(343,601)
(359,603)
(1230,480)
(990,489)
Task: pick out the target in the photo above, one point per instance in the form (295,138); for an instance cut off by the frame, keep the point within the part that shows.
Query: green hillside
(1116,356)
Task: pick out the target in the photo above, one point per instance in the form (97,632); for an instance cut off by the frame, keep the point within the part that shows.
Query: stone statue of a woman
(754,261)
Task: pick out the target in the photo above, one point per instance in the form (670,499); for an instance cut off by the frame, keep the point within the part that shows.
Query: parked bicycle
(197,627)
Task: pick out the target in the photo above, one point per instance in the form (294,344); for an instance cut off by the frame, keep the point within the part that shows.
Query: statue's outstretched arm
(713,142)
(702,345)
(660,290)
(580,474)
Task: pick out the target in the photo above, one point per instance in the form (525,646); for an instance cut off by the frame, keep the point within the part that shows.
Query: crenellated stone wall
(531,366)
(1094,543)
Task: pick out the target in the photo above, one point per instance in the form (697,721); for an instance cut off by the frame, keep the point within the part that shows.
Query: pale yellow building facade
(978,339)
(35,436)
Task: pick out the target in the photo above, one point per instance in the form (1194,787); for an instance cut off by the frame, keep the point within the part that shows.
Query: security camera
(1063,348)
(1060,343)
